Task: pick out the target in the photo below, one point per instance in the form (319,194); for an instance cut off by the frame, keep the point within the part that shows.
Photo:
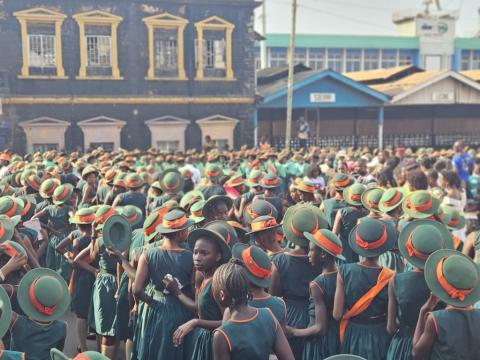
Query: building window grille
(278,57)
(405,58)
(99,50)
(475,60)
(41,50)
(166,50)
(316,59)
(465,60)
(389,58)
(370,60)
(300,56)
(353,62)
(335,60)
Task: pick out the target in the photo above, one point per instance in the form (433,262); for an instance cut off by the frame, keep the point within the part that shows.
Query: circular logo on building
(442,28)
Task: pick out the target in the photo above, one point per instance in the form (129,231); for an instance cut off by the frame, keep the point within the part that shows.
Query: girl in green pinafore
(347,217)
(249,333)
(210,250)
(408,291)
(363,323)
(322,339)
(165,311)
(58,215)
(332,205)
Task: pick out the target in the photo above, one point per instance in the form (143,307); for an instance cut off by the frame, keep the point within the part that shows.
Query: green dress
(366,334)
(165,313)
(104,290)
(331,206)
(296,273)
(58,220)
(411,292)
(458,335)
(251,339)
(350,216)
(392,258)
(81,284)
(323,346)
(11,355)
(275,304)
(36,339)
(208,309)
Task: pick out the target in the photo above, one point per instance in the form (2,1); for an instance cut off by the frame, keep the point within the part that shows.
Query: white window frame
(42,59)
(94,56)
(166,53)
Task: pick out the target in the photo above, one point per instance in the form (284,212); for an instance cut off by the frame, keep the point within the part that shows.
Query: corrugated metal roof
(271,88)
(344,41)
(472,74)
(406,83)
(472,43)
(376,74)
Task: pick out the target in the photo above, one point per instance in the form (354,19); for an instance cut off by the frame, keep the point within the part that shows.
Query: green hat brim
(139,216)
(181,181)
(24,299)
(312,239)
(410,227)
(237,251)
(163,230)
(248,218)
(208,206)
(6,316)
(148,238)
(364,200)
(265,229)
(9,227)
(389,243)
(18,248)
(349,201)
(386,209)
(56,354)
(422,214)
(197,219)
(287,219)
(345,357)
(433,284)
(189,195)
(121,243)
(198,233)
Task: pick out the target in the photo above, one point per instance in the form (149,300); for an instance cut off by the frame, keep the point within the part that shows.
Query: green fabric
(82,283)
(350,217)
(331,206)
(274,303)
(123,330)
(104,304)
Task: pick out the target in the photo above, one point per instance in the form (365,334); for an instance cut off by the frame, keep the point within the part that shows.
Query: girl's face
(205,255)
(314,255)
(91,178)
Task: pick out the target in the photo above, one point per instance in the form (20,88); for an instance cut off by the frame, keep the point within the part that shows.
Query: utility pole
(288,130)
(263,43)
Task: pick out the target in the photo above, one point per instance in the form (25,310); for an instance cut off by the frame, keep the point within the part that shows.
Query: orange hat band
(454,222)
(132,218)
(149,230)
(304,187)
(26,209)
(236,181)
(327,243)
(2,230)
(394,200)
(197,213)
(253,214)
(271,182)
(263,225)
(253,267)
(12,210)
(101,219)
(33,183)
(372,204)
(355,197)
(212,173)
(133,183)
(371,245)
(172,186)
(414,252)
(299,233)
(82,357)
(423,207)
(62,195)
(46,310)
(86,218)
(174,224)
(342,183)
(8,249)
(459,294)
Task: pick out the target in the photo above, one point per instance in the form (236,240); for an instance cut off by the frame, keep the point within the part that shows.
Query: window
(278,57)
(405,57)
(168,145)
(214,49)
(165,44)
(222,144)
(353,62)
(389,58)
(41,43)
(44,147)
(475,60)
(258,60)
(98,45)
(107,146)
(465,62)
(316,58)
(370,59)
(300,56)
(335,60)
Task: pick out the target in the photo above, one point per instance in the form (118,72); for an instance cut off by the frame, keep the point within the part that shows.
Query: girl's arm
(276,287)
(82,264)
(221,349)
(321,320)
(61,247)
(189,326)
(337,224)
(468,245)
(339,302)
(141,278)
(392,324)
(281,348)
(425,333)
(40,214)
(116,201)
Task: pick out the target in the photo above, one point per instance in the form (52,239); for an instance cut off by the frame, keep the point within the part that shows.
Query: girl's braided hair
(231,278)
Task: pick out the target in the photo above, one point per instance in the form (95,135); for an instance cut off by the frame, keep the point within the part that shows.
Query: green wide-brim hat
(345,357)
(263,219)
(331,237)
(7,228)
(259,259)
(370,230)
(196,211)
(56,354)
(171,181)
(16,246)
(83,216)
(429,229)
(174,215)
(258,207)
(132,213)
(62,194)
(89,169)
(212,235)
(353,194)
(341,181)
(117,232)
(226,231)
(189,196)
(420,204)
(56,283)
(391,198)
(459,271)
(371,198)
(302,218)
(209,206)
(6,314)
(452,218)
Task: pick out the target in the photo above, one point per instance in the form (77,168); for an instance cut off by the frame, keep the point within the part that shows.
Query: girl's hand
(16,262)
(289,331)
(431,303)
(182,331)
(171,285)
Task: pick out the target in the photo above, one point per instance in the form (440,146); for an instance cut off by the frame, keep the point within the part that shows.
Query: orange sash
(364,302)
(456,242)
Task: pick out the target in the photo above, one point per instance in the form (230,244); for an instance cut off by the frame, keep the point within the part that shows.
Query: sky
(366,17)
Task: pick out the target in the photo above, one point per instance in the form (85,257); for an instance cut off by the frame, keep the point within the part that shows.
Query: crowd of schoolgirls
(246,254)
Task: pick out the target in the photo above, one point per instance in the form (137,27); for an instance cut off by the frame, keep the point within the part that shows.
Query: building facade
(127,73)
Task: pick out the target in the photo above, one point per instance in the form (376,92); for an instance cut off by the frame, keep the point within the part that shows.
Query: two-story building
(126,73)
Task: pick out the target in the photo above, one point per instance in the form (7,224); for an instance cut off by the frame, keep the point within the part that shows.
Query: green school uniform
(366,333)
(275,304)
(331,206)
(58,220)
(392,258)
(350,216)
(411,292)
(36,339)
(11,355)
(250,339)
(82,283)
(320,347)
(166,313)
(458,335)
(208,309)
(296,273)
(210,190)
(104,290)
